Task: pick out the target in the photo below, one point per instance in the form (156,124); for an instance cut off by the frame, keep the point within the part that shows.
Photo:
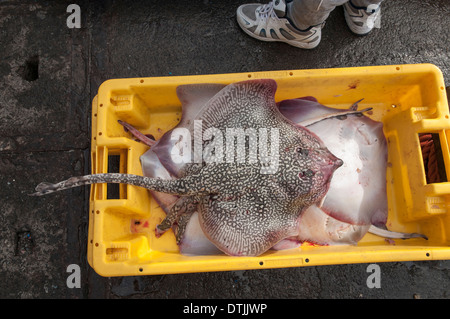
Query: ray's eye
(305,174)
(302,151)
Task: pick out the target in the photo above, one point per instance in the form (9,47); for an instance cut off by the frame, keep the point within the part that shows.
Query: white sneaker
(269,23)
(362,20)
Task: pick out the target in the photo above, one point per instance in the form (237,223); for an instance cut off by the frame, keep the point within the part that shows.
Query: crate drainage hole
(433,161)
(113,190)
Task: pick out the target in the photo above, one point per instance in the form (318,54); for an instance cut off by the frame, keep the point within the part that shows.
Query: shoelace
(267,10)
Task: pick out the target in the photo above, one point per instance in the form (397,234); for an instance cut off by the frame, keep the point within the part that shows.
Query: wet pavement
(49,75)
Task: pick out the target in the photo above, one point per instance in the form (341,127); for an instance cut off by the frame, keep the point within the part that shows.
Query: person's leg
(362,15)
(307,13)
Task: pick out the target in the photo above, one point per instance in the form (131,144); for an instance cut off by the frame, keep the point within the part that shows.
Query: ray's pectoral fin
(193,98)
(317,227)
(227,106)
(193,240)
(244,228)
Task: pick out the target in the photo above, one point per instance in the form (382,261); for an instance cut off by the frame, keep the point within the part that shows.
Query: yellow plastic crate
(408,99)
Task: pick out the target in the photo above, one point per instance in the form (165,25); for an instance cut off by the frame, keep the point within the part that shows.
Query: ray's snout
(337,162)
(328,162)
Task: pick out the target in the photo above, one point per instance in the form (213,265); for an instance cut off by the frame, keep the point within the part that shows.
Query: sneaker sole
(296,44)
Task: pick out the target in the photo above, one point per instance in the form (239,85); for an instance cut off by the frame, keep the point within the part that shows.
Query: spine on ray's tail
(160,185)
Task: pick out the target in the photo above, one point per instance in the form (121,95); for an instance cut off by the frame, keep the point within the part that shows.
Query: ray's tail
(177,187)
(391,234)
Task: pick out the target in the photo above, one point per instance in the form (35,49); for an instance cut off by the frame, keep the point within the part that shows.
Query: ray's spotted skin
(241,210)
